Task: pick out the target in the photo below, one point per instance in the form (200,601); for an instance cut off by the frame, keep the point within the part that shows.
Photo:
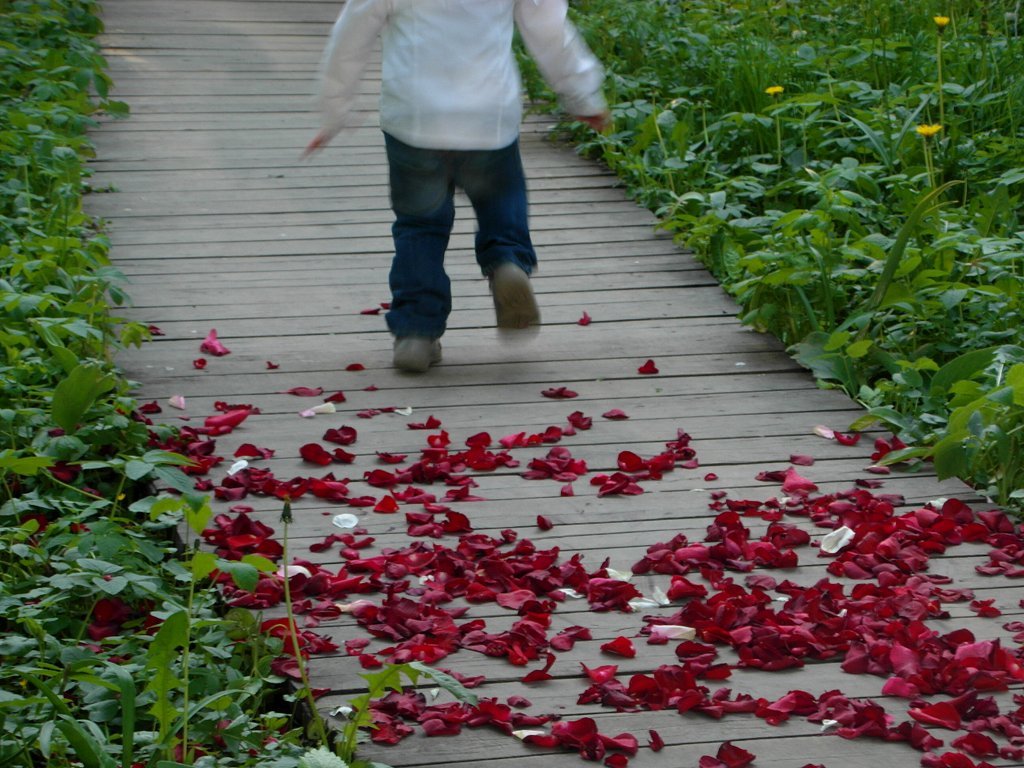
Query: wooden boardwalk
(219,225)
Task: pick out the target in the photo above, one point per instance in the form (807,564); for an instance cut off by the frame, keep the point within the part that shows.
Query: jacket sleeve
(564,59)
(344,59)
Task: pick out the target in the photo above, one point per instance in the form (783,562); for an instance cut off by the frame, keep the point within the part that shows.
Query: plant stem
(293,632)
(942,100)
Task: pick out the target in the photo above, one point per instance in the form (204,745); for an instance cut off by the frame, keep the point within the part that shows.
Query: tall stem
(318,723)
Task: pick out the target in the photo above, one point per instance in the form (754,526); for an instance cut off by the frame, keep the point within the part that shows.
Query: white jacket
(450,79)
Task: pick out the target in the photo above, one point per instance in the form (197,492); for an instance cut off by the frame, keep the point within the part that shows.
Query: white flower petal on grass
(524,733)
(345,520)
(177,401)
(836,540)
(406,411)
(324,408)
(673,632)
(238,466)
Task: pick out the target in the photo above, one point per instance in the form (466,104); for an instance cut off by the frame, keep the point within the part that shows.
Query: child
(450,110)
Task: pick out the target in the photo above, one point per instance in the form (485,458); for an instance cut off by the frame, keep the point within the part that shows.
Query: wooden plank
(217,223)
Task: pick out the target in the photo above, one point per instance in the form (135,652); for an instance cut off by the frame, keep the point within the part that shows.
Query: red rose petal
(559,393)
(355,367)
(584,319)
(211,346)
(544,523)
(615,414)
(272,366)
(647,369)
(199,363)
(304,391)
(620,646)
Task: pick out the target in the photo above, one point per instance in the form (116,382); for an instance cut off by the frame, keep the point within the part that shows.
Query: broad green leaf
(76,393)
(203,564)
(27,466)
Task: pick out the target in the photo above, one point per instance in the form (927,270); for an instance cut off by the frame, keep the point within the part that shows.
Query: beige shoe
(416,354)
(515,307)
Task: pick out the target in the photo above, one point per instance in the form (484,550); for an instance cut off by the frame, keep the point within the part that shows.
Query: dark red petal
(304,391)
(199,363)
(648,368)
(544,523)
(211,346)
(620,646)
(584,319)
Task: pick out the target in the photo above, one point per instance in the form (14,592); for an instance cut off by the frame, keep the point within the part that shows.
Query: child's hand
(599,123)
(317,143)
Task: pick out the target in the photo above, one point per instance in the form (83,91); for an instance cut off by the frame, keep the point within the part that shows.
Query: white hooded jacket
(450,79)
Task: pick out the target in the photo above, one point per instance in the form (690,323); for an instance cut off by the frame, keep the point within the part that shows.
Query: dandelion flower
(774,90)
(941,22)
(928,130)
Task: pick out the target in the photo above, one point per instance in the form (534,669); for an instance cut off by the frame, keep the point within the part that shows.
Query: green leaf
(163,652)
(446,681)
(76,393)
(26,466)
(244,575)
(88,750)
(136,469)
(203,564)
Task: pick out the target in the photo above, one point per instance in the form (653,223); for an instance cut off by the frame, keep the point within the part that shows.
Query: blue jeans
(423,183)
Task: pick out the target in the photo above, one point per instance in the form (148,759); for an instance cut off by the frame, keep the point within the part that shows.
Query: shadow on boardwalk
(218,225)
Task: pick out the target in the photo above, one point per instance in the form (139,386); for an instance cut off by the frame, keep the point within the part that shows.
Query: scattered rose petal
(355,367)
(620,646)
(177,401)
(304,391)
(647,369)
(238,466)
(324,408)
(615,414)
(211,346)
(672,632)
(199,363)
(345,520)
(544,523)
(406,411)
(271,366)
(559,393)
(835,541)
(585,319)
(337,397)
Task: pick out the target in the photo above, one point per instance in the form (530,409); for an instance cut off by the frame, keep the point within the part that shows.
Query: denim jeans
(423,183)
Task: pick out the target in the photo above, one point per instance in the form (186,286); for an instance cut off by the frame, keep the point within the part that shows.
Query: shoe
(416,353)
(515,307)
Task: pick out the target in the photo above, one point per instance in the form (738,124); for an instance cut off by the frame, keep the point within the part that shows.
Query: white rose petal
(294,570)
(324,408)
(659,596)
(836,540)
(238,466)
(345,520)
(822,431)
(673,632)
(177,401)
(572,594)
(642,602)
(524,734)
(618,575)
(309,413)
(826,724)
(406,411)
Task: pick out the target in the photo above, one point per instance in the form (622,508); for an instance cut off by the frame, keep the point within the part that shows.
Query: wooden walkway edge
(219,225)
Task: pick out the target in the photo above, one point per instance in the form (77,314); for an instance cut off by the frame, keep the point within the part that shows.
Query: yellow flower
(774,90)
(928,130)
(941,22)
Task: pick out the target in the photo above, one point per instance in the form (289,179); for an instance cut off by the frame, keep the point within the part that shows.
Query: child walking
(450,110)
